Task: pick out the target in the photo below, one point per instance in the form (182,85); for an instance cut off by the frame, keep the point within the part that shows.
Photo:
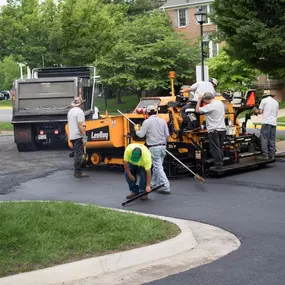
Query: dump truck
(108,136)
(41,104)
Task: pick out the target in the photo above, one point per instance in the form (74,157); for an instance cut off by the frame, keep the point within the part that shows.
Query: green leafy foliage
(9,71)
(145,51)
(29,31)
(232,74)
(254,31)
(87,29)
(70,32)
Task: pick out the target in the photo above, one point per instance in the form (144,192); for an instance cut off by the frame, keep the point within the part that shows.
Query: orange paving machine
(108,136)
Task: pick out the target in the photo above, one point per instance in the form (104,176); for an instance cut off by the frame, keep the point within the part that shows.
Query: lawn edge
(112,262)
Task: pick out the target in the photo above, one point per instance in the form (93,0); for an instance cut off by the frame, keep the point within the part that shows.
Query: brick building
(182,14)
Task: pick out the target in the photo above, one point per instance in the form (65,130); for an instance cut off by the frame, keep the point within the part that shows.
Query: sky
(2,2)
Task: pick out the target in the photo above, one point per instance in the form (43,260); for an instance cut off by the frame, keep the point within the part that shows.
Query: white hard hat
(151,108)
(214,81)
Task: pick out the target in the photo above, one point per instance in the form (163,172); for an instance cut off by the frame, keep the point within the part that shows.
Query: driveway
(250,205)
(5,115)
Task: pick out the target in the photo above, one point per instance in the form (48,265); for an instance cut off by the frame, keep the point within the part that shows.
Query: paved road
(5,115)
(251,205)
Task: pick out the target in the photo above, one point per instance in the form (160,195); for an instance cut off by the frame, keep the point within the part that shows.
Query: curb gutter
(5,108)
(96,266)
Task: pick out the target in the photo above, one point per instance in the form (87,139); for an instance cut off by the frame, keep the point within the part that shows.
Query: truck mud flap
(23,133)
(245,164)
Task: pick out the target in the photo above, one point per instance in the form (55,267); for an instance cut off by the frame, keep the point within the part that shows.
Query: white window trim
(210,44)
(211,48)
(209,22)
(186,18)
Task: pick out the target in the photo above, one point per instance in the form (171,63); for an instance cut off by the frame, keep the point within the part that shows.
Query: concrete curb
(5,108)
(278,128)
(6,133)
(93,267)
(280,154)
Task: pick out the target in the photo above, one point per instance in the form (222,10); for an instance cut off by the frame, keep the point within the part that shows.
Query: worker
(77,134)
(156,131)
(96,113)
(269,109)
(214,111)
(137,158)
(199,88)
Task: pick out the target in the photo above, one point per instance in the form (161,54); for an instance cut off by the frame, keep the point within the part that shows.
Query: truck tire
(24,147)
(21,147)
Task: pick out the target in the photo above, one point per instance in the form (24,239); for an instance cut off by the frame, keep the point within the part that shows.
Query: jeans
(134,169)
(267,139)
(78,152)
(216,141)
(183,109)
(158,174)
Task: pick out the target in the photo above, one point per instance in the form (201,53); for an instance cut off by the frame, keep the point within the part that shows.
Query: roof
(179,3)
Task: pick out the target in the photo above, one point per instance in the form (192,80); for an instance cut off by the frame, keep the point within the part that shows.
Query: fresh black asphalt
(251,205)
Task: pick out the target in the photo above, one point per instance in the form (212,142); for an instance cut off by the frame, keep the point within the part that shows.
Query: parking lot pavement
(18,167)
(250,205)
(5,114)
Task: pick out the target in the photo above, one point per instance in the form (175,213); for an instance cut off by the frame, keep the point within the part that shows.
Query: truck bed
(44,96)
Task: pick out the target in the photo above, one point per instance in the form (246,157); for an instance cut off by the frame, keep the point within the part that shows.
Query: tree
(29,31)
(87,29)
(147,48)
(9,71)
(135,7)
(232,74)
(254,31)
(50,33)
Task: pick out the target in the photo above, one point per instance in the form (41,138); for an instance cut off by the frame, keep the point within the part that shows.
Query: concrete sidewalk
(258,119)
(280,146)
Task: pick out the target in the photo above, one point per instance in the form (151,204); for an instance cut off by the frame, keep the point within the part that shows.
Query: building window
(207,9)
(214,49)
(210,47)
(181,18)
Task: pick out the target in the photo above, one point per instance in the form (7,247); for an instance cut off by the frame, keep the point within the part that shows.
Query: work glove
(85,138)
(137,127)
(255,111)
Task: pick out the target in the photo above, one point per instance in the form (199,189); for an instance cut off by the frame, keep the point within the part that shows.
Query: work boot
(164,191)
(272,156)
(263,157)
(131,195)
(80,175)
(144,198)
(215,168)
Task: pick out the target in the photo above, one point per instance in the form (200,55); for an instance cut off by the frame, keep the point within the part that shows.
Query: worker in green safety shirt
(137,159)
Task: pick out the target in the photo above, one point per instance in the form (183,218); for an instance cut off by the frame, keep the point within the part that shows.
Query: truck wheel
(24,147)
(21,147)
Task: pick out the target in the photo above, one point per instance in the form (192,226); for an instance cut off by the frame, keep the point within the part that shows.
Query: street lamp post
(201,19)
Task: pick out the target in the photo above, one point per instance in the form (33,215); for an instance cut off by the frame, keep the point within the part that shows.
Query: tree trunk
(118,96)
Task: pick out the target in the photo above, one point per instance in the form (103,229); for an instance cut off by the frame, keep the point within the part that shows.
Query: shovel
(84,157)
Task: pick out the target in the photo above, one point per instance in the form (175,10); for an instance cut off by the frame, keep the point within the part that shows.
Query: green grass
(36,235)
(281,119)
(282,105)
(279,125)
(6,103)
(6,126)
(242,114)
(280,138)
(128,105)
